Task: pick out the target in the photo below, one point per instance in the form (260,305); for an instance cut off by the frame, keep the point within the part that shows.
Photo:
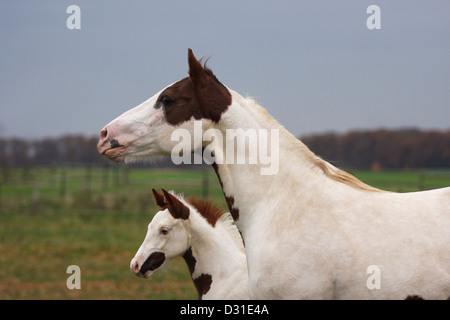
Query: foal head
(145,131)
(167,235)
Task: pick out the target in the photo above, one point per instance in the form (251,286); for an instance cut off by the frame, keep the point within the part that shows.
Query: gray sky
(314,65)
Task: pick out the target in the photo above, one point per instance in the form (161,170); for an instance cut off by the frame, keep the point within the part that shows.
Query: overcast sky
(314,65)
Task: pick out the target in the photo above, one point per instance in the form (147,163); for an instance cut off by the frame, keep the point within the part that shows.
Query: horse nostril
(135,267)
(103,134)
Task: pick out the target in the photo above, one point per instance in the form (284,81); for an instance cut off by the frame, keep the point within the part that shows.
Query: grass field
(96,218)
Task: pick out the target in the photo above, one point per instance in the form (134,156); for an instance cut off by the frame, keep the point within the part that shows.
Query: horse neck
(243,184)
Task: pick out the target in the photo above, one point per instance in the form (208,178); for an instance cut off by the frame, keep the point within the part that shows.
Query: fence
(119,187)
(106,187)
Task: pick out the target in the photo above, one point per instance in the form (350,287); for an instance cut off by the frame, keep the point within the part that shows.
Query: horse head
(167,235)
(145,131)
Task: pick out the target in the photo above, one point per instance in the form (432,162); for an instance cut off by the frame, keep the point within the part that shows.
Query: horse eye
(164,231)
(165,100)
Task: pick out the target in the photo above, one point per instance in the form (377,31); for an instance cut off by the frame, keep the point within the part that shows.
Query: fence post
(62,183)
(88,178)
(105,177)
(125,177)
(1,183)
(35,192)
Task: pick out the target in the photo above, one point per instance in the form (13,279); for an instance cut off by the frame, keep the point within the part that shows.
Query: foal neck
(216,251)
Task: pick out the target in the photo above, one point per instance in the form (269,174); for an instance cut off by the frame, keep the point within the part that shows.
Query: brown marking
(176,208)
(209,211)
(190,260)
(154,261)
(179,102)
(202,284)
(234,211)
(159,199)
(414,297)
(201,95)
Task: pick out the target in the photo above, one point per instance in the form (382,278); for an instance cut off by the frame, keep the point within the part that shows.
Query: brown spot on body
(414,297)
(203,282)
(190,260)
(234,211)
(201,95)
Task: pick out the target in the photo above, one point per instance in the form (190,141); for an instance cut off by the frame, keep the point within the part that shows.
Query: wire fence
(106,187)
(120,187)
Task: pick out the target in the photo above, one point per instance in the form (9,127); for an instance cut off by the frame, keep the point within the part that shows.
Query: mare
(205,236)
(311,230)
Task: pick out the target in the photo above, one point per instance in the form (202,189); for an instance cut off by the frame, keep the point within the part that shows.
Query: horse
(311,230)
(205,236)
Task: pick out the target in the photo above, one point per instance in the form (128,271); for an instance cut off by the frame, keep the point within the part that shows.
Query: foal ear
(196,71)
(159,198)
(176,208)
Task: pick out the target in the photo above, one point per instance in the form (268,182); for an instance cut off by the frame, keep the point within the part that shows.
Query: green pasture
(96,218)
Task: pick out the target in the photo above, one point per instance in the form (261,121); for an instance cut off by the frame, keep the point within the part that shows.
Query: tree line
(383,148)
(362,149)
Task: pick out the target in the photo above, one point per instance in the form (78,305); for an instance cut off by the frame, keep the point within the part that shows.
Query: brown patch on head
(414,297)
(154,261)
(176,208)
(203,284)
(208,210)
(179,102)
(201,96)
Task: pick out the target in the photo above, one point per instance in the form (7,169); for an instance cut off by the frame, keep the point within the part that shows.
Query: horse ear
(196,71)
(212,96)
(159,198)
(176,208)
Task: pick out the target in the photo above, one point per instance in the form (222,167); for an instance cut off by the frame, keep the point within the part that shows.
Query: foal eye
(164,231)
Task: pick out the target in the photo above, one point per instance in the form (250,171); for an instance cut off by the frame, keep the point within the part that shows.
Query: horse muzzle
(153,262)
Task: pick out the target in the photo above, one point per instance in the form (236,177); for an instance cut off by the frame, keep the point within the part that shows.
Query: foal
(206,238)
